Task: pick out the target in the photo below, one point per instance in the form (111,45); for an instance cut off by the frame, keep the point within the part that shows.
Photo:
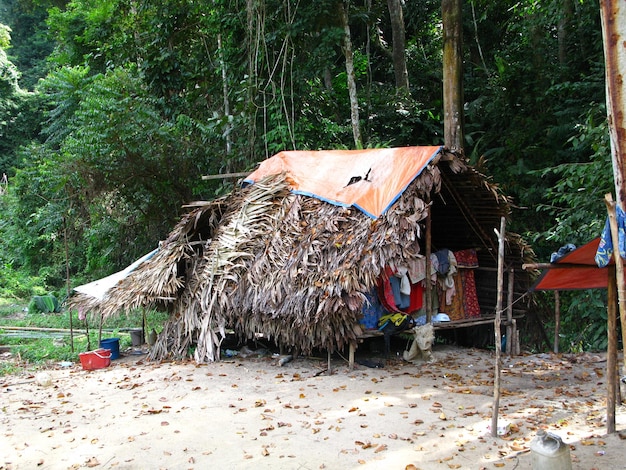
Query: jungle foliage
(110,112)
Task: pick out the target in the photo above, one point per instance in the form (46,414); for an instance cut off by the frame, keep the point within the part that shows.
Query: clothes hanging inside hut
(457,290)
(372,310)
(467,262)
(393,286)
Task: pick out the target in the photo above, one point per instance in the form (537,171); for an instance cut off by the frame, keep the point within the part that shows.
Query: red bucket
(98,359)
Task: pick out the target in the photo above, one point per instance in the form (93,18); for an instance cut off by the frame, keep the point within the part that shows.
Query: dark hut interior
(466,214)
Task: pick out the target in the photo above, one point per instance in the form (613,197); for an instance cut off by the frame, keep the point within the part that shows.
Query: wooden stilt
(329,369)
(351,355)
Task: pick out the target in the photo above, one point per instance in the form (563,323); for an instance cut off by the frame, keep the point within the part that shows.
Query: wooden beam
(225,176)
(558,266)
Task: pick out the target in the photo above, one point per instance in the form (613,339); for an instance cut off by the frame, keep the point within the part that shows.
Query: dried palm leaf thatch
(265,260)
(301,275)
(159,280)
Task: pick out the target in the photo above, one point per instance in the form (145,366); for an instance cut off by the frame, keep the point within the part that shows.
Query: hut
(299,251)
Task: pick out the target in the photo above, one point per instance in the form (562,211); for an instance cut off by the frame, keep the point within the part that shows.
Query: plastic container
(549,452)
(98,359)
(113,344)
(136,338)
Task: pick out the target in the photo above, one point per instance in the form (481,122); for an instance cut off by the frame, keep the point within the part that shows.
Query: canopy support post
(557,321)
(619,273)
(611,356)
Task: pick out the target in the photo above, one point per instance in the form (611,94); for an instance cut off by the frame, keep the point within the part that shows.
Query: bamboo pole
(619,273)
(37,328)
(496,327)
(611,356)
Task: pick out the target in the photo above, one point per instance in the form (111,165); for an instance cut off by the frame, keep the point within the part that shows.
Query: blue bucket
(113,344)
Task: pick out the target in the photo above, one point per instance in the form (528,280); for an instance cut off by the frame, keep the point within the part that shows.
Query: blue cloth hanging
(605,247)
(372,310)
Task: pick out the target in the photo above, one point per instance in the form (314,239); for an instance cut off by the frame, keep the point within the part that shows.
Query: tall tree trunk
(229,125)
(254,15)
(347,50)
(563,30)
(399,46)
(453,74)
(613,14)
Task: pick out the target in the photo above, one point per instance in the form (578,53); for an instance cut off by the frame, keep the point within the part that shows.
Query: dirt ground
(251,412)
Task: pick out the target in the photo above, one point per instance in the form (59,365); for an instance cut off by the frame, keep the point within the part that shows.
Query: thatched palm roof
(292,267)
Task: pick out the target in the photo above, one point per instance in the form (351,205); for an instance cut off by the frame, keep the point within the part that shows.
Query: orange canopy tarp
(575,270)
(370,179)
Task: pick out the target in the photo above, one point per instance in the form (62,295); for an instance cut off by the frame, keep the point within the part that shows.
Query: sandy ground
(253,413)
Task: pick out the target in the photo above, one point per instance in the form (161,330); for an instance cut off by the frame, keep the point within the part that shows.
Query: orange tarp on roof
(370,179)
(576,270)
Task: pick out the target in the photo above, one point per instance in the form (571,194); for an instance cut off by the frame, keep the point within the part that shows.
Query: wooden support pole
(515,347)
(509,314)
(329,369)
(557,320)
(611,352)
(351,355)
(619,274)
(496,327)
(225,176)
(67,279)
(428,294)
